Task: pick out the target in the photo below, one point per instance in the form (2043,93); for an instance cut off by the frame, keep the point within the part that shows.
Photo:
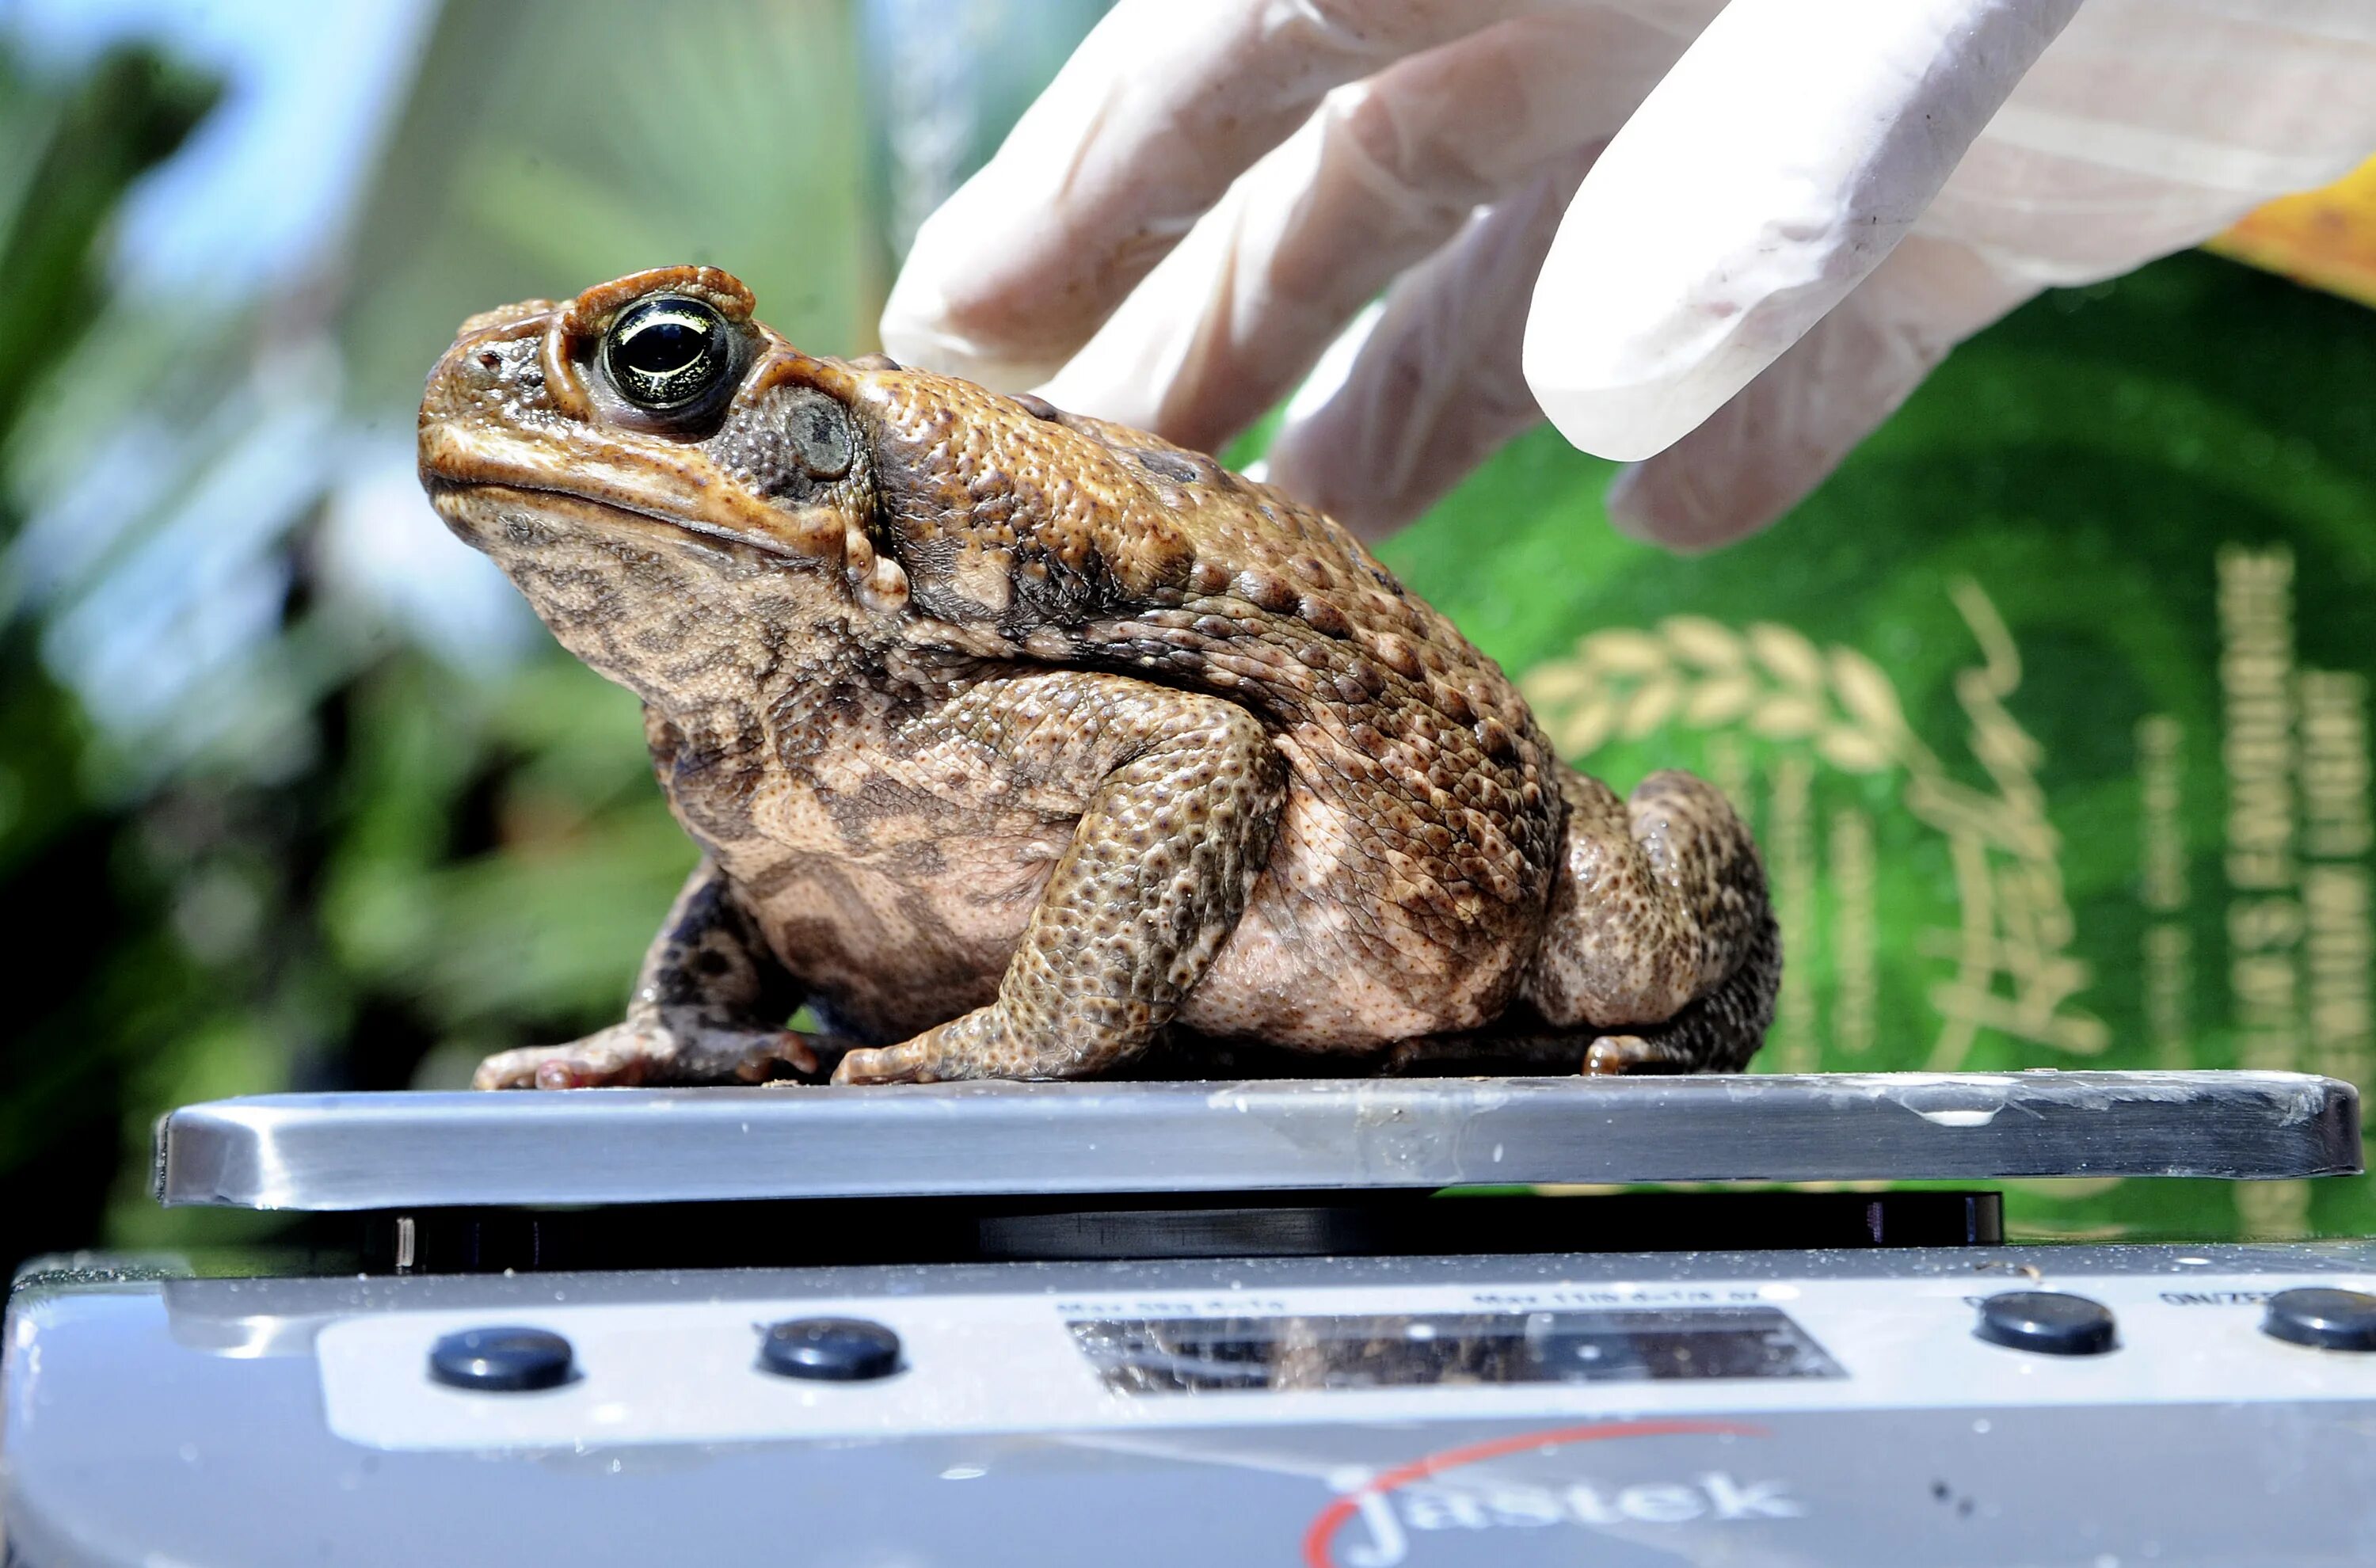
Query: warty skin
(1021,744)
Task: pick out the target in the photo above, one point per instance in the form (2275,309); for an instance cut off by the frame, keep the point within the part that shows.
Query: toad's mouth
(578,481)
(461,503)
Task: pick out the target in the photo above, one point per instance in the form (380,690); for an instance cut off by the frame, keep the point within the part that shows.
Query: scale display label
(1190,1355)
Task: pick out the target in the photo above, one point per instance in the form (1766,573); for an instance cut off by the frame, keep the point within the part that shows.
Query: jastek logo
(1379,1514)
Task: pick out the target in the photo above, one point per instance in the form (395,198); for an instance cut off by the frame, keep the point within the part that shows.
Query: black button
(2049,1322)
(504,1361)
(2330,1319)
(832,1349)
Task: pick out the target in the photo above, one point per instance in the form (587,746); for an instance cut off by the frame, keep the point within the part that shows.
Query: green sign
(2050,709)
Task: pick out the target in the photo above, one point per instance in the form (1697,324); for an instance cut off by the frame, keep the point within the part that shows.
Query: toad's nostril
(491,358)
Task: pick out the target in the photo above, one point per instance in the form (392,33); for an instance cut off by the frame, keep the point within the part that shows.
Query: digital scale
(1212,1323)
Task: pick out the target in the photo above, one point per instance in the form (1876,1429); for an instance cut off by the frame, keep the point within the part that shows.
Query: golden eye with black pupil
(668,354)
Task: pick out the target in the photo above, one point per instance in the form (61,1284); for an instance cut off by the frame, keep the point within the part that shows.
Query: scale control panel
(1961,1407)
(1241,1353)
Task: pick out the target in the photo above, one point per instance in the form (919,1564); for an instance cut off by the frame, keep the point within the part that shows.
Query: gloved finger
(1805,159)
(1425,389)
(1382,174)
(2151,125)
(1159,110)
(1776,439)
(2147,127)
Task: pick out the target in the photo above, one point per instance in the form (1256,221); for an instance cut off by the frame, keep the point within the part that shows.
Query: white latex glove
(1793,209)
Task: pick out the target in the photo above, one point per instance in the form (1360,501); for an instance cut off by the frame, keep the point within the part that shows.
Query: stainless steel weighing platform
(1211,1324)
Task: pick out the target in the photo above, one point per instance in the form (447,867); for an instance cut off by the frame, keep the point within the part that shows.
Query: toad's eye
(668,354)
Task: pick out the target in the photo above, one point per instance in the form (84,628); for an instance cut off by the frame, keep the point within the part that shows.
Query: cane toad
(1017,743)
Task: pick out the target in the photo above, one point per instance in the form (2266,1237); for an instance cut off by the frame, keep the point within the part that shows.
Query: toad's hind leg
(1658,933)
(1169,844)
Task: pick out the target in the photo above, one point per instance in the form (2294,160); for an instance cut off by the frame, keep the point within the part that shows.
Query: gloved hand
(1788,211)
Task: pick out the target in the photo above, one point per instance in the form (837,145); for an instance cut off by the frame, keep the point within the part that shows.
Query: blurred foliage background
(294,792)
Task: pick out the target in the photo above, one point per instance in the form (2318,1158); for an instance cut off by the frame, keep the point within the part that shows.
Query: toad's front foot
(654,1048)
